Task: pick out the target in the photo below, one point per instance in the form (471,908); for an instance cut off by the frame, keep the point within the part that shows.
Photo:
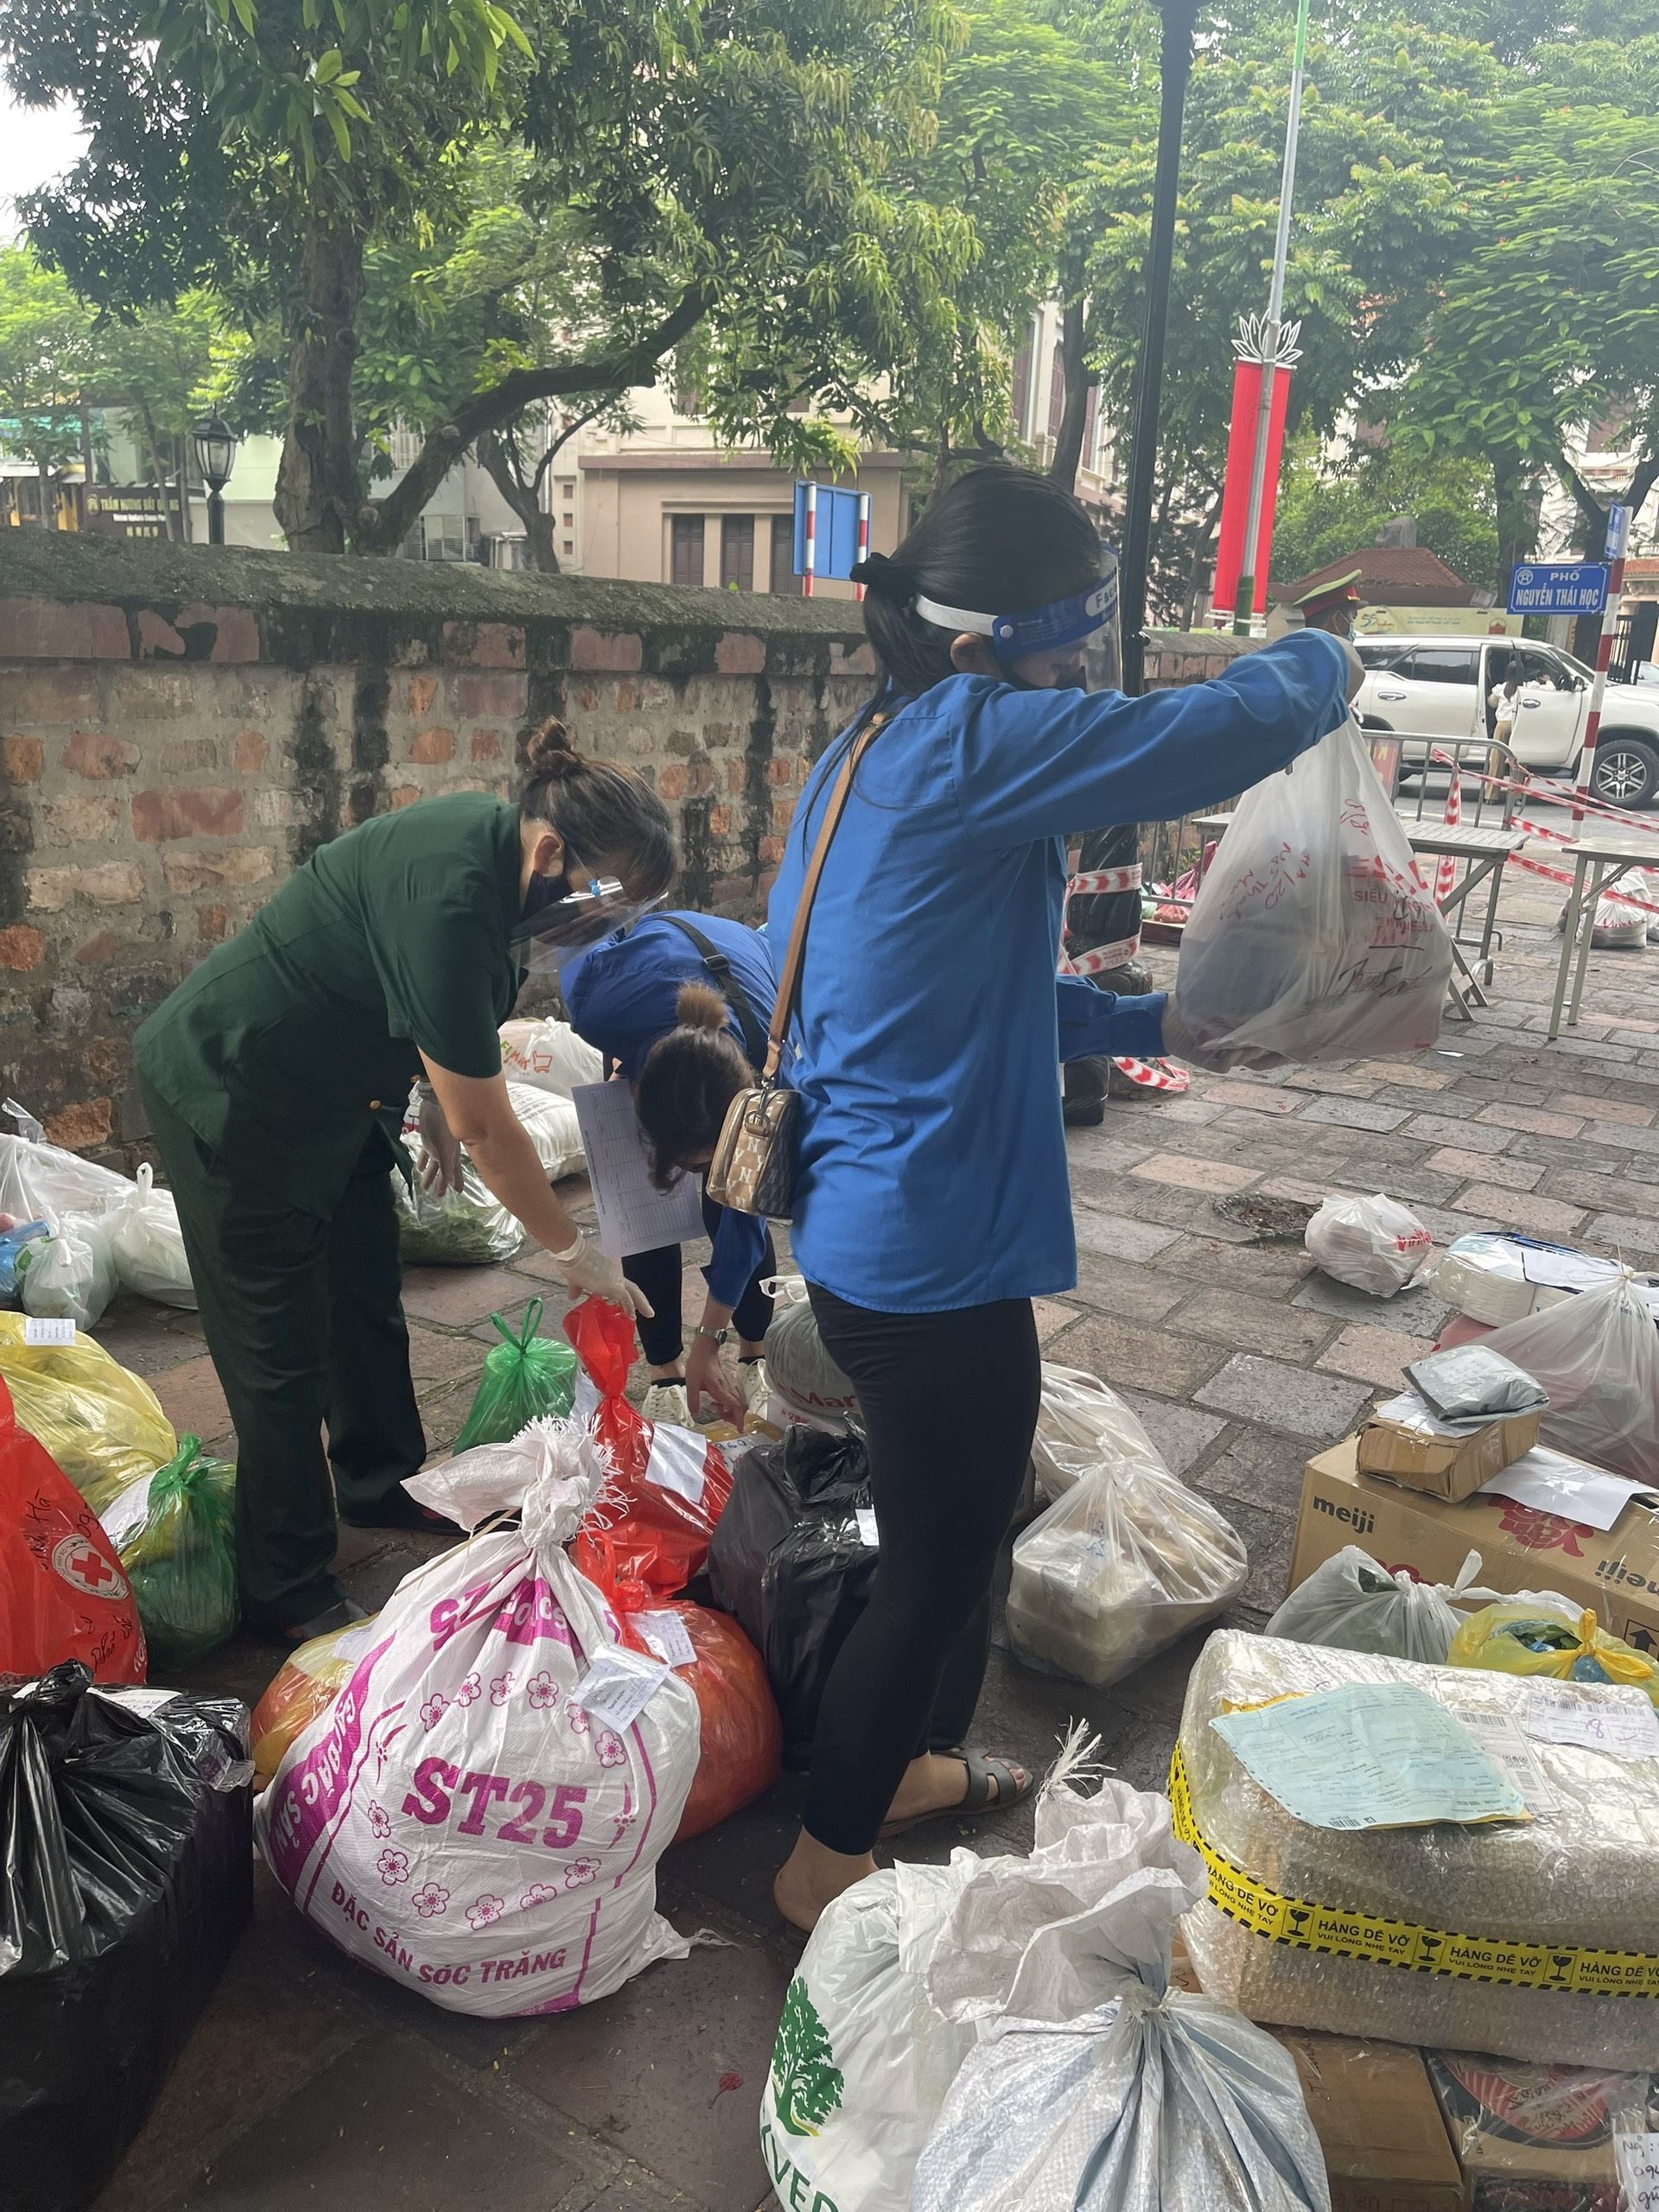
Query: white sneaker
(752,1386)
(666,1401)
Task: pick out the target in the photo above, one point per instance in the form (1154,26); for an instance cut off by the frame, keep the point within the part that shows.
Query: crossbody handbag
(754,1167)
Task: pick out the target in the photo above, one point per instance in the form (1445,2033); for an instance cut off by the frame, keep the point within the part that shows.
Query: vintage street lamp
(215,444)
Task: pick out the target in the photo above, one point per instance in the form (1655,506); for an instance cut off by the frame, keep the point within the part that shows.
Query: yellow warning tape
(1305,1925)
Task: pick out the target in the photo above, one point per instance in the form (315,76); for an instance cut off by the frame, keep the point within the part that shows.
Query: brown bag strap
(789,983)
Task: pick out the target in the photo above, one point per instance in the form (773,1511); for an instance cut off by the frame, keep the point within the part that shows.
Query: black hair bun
(885,577)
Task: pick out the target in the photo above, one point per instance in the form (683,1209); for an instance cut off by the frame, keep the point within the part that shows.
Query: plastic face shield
(1089,618)
(562,929)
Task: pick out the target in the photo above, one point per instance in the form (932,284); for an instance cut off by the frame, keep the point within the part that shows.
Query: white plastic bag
(550,1056)
(1100,2088)
(1314,935)
(1618,926)
(1081,1425)
(69,1275)
(1598,1357)
(807,1388)
(862,2063)
(146,1243)
(1122,1564)
(470,1227)
(41,1182)
(905,1971)
(1374,1244)
(1353,1604)
(459,1817)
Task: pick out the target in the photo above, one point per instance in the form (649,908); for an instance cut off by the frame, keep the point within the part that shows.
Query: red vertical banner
(1235,488)
(1270,485)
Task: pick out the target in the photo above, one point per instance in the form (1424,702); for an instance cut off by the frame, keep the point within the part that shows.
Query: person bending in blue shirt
(933,1204)
(680,1002)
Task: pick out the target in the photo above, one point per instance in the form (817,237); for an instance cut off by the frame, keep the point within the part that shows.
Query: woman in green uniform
(277,1078)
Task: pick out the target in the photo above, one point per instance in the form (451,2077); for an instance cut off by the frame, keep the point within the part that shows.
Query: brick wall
(179,727)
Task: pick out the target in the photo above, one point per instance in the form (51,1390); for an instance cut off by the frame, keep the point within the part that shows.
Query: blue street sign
(835,533)
(1619,530)
(1558,588)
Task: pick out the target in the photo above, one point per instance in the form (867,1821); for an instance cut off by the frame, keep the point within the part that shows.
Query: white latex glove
(440,1149)
(1181,1044)
(590,1271)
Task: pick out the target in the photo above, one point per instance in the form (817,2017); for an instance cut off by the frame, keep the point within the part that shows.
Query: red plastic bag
(741,1749)
(671,1485)
(63,1594)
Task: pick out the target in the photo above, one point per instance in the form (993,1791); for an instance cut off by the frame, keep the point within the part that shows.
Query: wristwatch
(715,1337)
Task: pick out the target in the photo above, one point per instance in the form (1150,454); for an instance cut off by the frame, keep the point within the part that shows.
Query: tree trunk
(521,498)
(1068,446)
(1518,517)
(319,491)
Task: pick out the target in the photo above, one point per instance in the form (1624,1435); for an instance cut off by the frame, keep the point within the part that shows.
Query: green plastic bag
(524,1377)
(181,1558)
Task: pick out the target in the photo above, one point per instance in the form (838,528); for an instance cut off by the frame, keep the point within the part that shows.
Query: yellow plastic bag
(103,1425)
(1530,1639)
(307,1684)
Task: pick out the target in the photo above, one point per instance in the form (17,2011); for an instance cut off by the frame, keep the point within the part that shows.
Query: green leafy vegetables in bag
(525,1377)
(181,1557)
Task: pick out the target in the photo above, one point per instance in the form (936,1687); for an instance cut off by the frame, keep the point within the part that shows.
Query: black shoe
(399,1510)
(1084,1114)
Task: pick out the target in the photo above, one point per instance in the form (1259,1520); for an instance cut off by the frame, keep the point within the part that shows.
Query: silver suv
(1437,688)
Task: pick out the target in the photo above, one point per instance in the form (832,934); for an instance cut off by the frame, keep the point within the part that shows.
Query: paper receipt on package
(1368,1755)
(617,1684)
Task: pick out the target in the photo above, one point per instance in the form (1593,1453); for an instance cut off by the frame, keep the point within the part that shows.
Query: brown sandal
(980,1801)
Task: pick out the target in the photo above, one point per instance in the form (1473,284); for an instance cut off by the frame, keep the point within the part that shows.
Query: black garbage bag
(788,1561)
(125,1823)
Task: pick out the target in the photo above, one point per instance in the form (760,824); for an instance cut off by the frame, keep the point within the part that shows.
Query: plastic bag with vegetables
(103,1425)
(524,1377)
(177,1536)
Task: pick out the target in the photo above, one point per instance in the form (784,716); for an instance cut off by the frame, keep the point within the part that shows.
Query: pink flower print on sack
(500,1689)
(392,1866)
(579,1724)
(430,1899)
(433,1710)
(486,1909)
(538,1893)
(379,1822)
(609,1748)
(580,1871)
(470,1691)
(541,1692)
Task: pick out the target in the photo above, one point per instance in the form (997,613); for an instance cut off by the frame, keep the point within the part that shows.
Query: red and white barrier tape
(1154,1075)
(1446,875)
(1105,880)
(1551,794)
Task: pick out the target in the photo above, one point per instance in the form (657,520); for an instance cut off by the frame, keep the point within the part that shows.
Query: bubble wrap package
(1536,1940)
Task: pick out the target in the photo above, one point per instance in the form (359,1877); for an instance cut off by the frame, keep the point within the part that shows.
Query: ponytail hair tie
(887,578)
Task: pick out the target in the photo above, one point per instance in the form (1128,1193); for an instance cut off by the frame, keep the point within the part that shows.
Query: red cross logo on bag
(79,1563)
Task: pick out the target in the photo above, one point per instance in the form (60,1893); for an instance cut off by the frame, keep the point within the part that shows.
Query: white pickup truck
(1442,687)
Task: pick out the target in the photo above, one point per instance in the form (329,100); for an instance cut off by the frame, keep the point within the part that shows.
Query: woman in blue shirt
(933,1204)
(680,1002)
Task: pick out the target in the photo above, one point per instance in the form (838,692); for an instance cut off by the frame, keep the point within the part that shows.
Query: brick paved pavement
(312,2081)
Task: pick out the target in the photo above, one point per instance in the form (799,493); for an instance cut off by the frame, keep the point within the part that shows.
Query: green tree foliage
(1325,513)
(159,371)
(46,357)
(745,159)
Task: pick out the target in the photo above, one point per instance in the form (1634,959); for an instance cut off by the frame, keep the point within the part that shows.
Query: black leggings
(657,1274)
(950,1404)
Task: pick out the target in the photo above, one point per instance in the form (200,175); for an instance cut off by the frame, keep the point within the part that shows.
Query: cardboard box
(1385,2144)
(1532,2137)
(1613,1571)
(1451,1467)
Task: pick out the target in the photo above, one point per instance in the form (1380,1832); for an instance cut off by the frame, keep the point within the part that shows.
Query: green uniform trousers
(304,1319)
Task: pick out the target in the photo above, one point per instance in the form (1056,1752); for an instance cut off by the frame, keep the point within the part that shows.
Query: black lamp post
(1176,63)
(1113,917)
(215,444)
